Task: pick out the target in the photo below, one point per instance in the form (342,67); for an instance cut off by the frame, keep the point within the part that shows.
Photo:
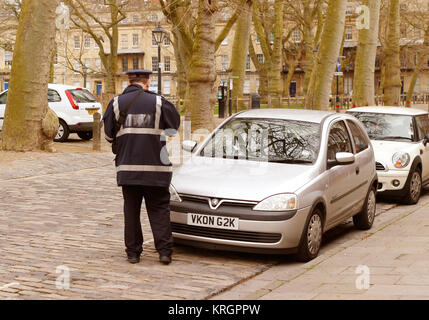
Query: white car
(73,106)
(400,138)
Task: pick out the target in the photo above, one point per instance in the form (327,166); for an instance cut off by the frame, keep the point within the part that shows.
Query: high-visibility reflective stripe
(151,131)
(116,108)
(138,168)
(158,112)
(108,138)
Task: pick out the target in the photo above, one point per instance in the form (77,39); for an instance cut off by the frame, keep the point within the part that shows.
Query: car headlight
(401,159)
(174,196)
(279,202)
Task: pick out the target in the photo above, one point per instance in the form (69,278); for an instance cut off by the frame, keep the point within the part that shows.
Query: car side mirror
(189,145)
(344,158)
(426,140)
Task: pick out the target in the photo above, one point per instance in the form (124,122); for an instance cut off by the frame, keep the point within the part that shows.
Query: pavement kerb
(395,216)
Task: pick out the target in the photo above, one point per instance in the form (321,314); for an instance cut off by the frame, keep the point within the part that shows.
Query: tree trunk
(323,73)
(392,82)
(239,56)
(363,84)
(274,72)
(26,126)
(202,75)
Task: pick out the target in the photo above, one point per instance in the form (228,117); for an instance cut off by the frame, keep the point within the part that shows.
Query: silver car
(273,181)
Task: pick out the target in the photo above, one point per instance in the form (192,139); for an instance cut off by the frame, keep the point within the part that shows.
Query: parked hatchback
(400,138)
(73,106)
(274,181)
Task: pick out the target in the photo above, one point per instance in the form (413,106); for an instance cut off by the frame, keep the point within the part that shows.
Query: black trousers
(157,200)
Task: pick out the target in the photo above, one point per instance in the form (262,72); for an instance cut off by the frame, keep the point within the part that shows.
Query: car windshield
(280,141)
(82,96)
(381,126)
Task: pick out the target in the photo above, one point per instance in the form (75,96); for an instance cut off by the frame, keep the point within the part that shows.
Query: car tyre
(85,135)
(365,219)
(63,132)
(413,188)
(311,239)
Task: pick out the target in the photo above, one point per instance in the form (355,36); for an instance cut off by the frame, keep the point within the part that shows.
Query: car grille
(204,200)
(379,167)
(245,236)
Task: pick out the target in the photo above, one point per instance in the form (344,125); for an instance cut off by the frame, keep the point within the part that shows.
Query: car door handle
(357,170)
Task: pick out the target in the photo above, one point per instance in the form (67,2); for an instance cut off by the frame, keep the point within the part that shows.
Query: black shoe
(133,260)
(165,259)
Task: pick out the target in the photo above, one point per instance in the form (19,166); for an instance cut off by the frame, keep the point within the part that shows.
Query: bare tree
(29,123)
(363,88)
(193,23)
(100,20)
(331,40)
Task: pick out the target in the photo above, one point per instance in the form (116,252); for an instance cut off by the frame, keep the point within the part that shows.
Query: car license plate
(92,111)
(202,220)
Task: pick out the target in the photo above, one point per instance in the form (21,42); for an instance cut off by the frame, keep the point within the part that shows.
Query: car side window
(3,98)
(422,126)
(359,138)
(53,96)
(339,140)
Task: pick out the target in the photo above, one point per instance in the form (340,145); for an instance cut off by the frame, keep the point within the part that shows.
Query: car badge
(215,202)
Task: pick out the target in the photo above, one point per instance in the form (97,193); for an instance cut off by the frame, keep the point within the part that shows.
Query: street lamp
(159,34)
(85,75)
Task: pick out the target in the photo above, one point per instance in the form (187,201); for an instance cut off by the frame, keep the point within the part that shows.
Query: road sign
(338,74)
(339,64)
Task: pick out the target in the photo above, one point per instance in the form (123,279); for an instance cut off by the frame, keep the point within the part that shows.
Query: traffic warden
(136,123)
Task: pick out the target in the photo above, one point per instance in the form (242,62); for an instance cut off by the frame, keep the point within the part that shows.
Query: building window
(246,87)
(296,35)
(349,11)
(135,40)
(87,42)
(167,64)
(167,41)
(225,62)
(260,58)
(136,18)
(349,33)
(76,42)
(136,63)
(248,63)
(125,64)
(124,41)
(155,64)
(154,43)
(8,55)
(98,64)
(271,37)
(167,87)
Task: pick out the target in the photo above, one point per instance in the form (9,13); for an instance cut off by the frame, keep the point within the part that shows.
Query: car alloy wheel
(415,186)
(371,206)
(314,234)
(60,132)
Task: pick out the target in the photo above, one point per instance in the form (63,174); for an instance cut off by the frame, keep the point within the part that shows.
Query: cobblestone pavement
(63,213)
(74,219)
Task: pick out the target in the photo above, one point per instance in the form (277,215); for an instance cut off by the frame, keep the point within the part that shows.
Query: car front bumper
(263,232)
(386,180)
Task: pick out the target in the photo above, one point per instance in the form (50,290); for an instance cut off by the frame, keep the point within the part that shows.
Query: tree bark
(392,82)
(323,73)
(28,123)
(364,83)
(202,75)
(239,56)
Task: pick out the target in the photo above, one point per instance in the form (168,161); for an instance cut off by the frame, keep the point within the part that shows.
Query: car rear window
(82,96)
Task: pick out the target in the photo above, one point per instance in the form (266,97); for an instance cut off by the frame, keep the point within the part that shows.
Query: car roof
(61,86)
(315,116)
(390,110)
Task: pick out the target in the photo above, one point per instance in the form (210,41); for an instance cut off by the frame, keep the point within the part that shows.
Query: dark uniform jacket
(142,157)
